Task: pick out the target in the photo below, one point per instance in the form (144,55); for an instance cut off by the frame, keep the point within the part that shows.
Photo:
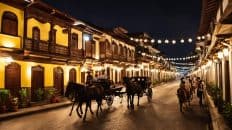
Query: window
(35,33)
(74,43)
(9,23)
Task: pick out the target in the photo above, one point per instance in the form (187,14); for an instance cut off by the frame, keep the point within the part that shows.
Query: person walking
(200,92)
(181,94)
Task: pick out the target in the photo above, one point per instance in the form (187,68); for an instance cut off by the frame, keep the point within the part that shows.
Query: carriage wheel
(110,100)
(149,94)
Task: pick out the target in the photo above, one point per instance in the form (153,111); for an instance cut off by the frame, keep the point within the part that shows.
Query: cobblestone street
(162,114)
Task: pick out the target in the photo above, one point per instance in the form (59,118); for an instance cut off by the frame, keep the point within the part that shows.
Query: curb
(32,110)
(218,122)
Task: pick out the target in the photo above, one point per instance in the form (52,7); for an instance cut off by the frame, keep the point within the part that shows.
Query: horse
(84,94)
(132,88)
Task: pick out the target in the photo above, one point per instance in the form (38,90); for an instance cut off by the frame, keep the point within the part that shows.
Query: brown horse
(132,89)
(84,94)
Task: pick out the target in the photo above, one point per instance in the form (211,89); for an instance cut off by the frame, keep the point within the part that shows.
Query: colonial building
(214,45)
(42,47)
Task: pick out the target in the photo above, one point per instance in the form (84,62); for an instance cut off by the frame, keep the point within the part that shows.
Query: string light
(173,41)
(181,58)
(166,41)
(152,41)
(190,40)
(182,41)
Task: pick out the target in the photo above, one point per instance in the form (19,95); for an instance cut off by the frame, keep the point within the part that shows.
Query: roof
(208,14)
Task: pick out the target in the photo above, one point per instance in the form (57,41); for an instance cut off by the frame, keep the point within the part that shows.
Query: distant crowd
(188,87)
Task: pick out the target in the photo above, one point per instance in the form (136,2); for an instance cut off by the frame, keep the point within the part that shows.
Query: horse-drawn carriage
(137,86)
(110,90)
(97,90)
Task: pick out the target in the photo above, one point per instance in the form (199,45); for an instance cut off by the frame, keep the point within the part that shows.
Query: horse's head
(69,89)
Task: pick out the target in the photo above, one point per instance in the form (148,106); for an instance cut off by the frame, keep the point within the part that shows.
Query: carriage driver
(89,78)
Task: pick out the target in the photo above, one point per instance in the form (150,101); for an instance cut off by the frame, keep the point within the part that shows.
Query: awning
(225,31)
(227,15)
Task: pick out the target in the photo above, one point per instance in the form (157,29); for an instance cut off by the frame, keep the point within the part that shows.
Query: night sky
(171,19)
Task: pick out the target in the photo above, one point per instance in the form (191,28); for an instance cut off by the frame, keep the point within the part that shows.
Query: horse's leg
(86,108)
(132,101)
(128,101)
(97,108)
(138,101)
(81,107)
(90,107)
(72,108)
(80,115)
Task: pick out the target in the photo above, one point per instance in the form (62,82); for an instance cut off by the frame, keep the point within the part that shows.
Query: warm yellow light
(152,41)
(131,38)
(173,41)
(190,40)
(220,55)
(8,44)
(8,60)
(182,41)
(198,38)
(166,41)
(145,40)
(159,41)
(84,69)
(226,51)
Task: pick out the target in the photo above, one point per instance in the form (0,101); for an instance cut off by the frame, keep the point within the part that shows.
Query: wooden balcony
(77,53)
(37,46)
(59,49)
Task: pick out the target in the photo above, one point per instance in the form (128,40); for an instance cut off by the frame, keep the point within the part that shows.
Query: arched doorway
(37,80)
(58,78)
(13,78)
(72,75)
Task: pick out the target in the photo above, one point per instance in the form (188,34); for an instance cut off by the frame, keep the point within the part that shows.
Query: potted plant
(52,95)
(14,104)
(23,97)
(39,94)
(4,96)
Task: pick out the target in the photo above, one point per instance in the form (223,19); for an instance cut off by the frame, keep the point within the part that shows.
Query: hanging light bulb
(190,40)
(182,41)
(173,41)
(136,39)
(166,41)
(140,40)
(220,55)
(203,37)
(159,41)
(152,40)
(198,38)
(131,38)
(145,40)
(226,51)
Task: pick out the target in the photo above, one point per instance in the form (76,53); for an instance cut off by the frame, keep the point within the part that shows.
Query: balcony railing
(36,45)
(46,48)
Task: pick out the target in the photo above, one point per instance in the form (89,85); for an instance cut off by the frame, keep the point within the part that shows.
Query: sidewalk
(34,109)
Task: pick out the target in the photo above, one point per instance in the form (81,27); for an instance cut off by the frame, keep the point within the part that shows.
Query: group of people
(187,89)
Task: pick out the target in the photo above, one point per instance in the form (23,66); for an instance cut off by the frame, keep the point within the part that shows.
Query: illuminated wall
(61,37)
(48,73)
(12,41)
(43,27)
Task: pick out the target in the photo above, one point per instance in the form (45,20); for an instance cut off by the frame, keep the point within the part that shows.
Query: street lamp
(226,51)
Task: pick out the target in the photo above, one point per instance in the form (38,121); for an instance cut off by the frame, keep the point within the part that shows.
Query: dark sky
(171,19)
